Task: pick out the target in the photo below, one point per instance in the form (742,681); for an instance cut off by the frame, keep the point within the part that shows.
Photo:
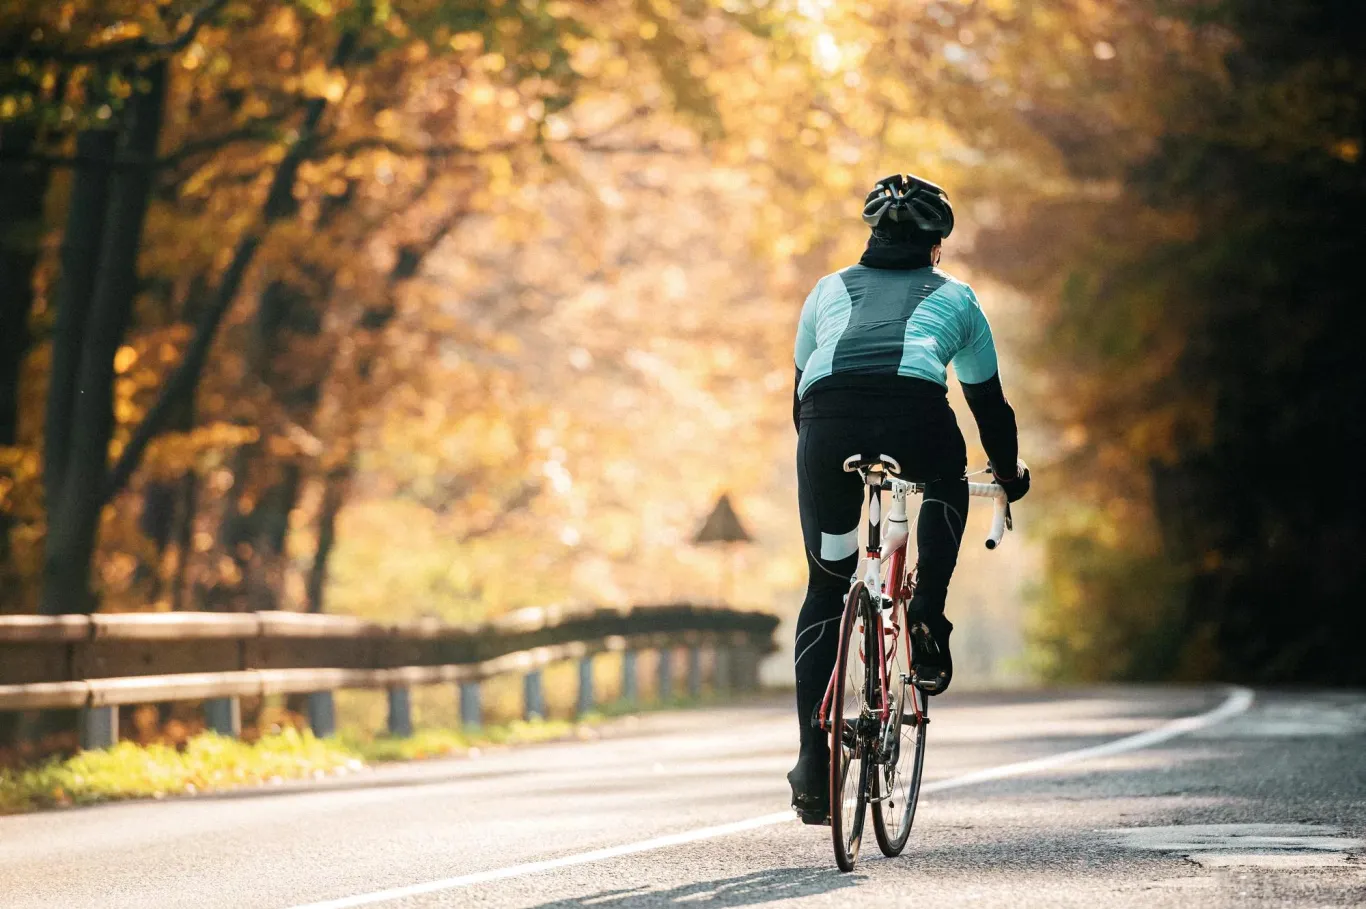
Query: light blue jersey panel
(976,360)
(825,316)
(949,327)
(881,321)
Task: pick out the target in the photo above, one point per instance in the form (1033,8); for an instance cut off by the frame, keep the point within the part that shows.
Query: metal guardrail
(97,663)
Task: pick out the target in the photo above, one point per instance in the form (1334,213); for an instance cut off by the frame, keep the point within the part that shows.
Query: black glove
(1017,486)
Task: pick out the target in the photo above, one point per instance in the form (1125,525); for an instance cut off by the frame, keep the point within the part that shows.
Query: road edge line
(1238,700)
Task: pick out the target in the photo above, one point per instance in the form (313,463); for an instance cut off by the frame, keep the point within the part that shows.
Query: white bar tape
(998,517)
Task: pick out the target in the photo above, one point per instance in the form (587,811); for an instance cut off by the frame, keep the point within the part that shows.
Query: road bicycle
(876,710)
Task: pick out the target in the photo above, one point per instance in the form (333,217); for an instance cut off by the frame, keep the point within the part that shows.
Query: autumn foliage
(409,307)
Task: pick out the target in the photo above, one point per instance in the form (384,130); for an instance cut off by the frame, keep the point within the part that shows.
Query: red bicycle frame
(899,591)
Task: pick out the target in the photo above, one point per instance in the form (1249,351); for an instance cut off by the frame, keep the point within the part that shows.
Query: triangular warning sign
(722,525)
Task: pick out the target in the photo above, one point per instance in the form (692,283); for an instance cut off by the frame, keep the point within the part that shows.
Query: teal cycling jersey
(905,322)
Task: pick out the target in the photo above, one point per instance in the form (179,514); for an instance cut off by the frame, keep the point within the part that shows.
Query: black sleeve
(995,422)
(797,402)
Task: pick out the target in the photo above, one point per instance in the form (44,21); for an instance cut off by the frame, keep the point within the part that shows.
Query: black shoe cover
(931,660)
(810,781)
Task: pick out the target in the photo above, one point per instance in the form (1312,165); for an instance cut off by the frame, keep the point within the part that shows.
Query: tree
(1200,310)
(170,70)
(23,188)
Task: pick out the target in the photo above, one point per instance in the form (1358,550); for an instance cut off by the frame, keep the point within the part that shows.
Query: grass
(208,761)
(211,762)
(625,708)
(430,743)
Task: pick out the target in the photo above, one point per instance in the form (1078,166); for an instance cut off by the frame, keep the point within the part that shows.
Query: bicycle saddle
(881,463)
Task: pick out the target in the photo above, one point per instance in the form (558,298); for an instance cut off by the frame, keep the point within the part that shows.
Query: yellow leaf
(319,82)
(124,359)
(467,41)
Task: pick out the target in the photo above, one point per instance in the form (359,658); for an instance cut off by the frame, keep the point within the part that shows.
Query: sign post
(722,527)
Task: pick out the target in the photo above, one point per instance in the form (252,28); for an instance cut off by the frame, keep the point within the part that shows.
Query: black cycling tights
(924,438)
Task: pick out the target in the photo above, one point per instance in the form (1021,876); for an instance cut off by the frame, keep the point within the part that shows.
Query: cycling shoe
(931,660)
(810,781)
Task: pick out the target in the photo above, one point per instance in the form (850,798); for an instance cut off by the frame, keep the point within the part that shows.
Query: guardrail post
(99,727)
(666,674)
(400,712)
(722,677)
(224,716)
(585,685)
(471,708)
(694,672)
(746,668)
(629,688)
(533,696)
(322,714)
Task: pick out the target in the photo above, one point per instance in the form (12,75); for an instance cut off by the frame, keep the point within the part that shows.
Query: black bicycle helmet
(910,201)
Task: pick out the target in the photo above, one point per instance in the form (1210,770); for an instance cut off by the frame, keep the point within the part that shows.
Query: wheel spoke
(902,753)
(853,705)
(850,754)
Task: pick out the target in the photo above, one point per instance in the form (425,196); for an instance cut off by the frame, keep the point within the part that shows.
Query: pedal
(813,819)
(929,686)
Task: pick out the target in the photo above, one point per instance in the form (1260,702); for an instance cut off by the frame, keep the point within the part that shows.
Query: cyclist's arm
(978,372)
(995,424)
(805,347)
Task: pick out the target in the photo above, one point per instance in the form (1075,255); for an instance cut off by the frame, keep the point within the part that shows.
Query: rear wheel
(849,715)
(898,776)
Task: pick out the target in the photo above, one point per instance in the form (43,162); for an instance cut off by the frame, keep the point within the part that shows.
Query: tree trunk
(168,511)
(79,259)
(334,496)
(187,487)
(264,570)
(372,322)
(279,203)
(22,191)
(183,538)
(286,315)
(73,518)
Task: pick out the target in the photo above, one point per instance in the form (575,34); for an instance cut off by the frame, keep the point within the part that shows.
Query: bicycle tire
(898,780)
(849,797)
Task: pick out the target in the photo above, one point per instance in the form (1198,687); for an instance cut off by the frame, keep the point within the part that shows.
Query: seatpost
(874,481)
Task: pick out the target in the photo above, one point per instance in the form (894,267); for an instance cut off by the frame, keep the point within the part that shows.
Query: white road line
(1238,701)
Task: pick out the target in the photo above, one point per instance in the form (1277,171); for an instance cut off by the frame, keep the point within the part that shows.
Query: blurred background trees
(437,307)
(1198,310)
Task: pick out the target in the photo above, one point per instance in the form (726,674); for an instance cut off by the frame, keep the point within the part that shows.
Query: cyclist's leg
(925,438)
(939,533)
(830,505)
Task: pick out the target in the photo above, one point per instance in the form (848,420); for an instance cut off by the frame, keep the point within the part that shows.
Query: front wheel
(850,712)
(898,778)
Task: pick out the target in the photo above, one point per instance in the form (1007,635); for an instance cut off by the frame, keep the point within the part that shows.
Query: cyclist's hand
(1017,486)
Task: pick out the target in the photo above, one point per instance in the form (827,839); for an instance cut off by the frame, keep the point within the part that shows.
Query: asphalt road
(1246,802)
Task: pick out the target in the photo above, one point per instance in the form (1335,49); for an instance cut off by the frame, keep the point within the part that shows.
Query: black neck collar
(896,257)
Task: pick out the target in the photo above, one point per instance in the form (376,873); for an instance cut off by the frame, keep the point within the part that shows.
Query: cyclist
(873,344)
